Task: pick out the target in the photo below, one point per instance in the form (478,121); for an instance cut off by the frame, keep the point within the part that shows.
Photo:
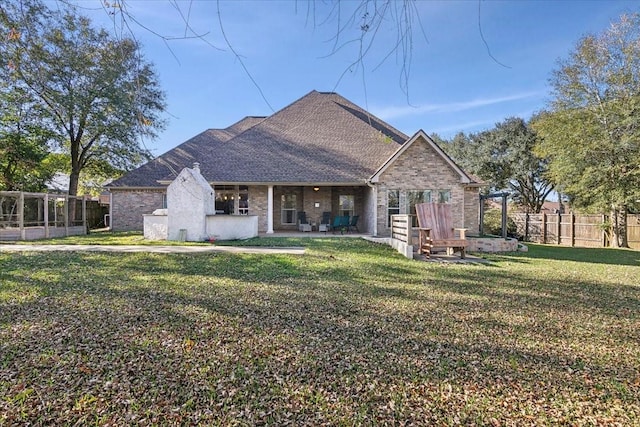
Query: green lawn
(350,333)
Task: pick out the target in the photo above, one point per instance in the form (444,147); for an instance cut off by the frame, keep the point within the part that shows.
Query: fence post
(526,227)
(409,230)
(66,215)
(21,216)
(504,217)
(544,228)
(46,215)
(604,232)
(559,227)
(481,225)
(84,213)
(573,229)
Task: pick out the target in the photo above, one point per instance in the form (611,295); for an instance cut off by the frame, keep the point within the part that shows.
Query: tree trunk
(619,228)
(73,191)
(74,178)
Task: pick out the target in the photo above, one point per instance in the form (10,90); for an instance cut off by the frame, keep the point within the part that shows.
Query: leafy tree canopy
(23,144)
(503,156)
(95,93)
(591,132)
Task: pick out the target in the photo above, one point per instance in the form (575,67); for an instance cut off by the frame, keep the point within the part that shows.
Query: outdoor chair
(325,223)
(340,223)
(435,228)
(353,223)
(303,223)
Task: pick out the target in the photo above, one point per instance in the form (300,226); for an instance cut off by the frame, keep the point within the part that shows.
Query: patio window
(347,204)
(288,212)
(225,196)
(414,197)
(393,204)
(243,205)
(228,196)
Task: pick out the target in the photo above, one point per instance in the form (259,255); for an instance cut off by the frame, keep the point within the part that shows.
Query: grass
(109,238)
(350,333)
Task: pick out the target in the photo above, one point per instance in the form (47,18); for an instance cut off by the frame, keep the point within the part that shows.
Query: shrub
(493,223)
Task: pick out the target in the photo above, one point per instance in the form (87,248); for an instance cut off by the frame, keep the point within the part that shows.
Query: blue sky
(454,83)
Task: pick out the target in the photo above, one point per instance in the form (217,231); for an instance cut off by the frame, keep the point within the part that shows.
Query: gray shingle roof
(168,165)
(320,138)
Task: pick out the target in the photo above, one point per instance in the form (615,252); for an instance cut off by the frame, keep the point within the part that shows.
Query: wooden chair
(435,228)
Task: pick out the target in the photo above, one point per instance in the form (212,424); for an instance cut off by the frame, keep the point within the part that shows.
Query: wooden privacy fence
(571,229)
(27,216)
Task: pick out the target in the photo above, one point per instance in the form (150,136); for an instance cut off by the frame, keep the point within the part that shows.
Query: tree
(504,157)
(591,133)
(23,144)
(95,93)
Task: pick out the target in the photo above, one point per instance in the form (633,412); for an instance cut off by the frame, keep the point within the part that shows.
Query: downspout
(375,206)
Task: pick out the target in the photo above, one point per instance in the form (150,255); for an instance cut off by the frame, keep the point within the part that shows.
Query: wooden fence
(572,229)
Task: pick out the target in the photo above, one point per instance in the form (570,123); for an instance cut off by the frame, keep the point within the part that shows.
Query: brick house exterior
(321,153)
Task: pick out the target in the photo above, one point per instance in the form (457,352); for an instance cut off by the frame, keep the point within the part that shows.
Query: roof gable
(422,136)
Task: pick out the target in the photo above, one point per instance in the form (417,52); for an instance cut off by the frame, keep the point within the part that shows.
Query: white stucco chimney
(196,166)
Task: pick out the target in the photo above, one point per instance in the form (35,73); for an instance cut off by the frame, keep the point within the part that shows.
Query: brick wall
(422,168)
(258,205)
(472,210)
(129,206)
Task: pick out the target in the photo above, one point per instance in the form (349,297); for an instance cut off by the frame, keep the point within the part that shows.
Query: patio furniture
(303,222)
(340,223)
(353,223)
(325,223)
(435,228)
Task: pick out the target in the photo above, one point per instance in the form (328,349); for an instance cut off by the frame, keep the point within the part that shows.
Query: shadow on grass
(589,255)
(343,317)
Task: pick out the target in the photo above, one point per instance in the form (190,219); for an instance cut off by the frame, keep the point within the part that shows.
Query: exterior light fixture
(316,188)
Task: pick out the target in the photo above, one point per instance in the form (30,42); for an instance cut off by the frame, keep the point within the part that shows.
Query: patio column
(270,210)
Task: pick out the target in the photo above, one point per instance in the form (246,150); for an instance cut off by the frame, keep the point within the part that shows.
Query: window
(444,196)
(288,213)
(228,196)
(413,198)
(393,204)
(243,204)
(346,205)
(225,196)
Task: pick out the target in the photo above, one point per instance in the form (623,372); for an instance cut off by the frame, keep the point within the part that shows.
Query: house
(322,153)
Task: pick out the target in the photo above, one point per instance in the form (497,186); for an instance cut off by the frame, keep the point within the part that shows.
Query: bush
(493,223)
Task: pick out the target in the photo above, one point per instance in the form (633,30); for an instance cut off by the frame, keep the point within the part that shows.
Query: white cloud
(387,113)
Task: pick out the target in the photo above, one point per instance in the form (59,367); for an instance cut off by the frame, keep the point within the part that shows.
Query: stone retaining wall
(490,244)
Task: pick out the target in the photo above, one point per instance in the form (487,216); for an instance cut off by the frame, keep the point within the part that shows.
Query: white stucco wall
(155,227)
(232,227)
(190,199)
